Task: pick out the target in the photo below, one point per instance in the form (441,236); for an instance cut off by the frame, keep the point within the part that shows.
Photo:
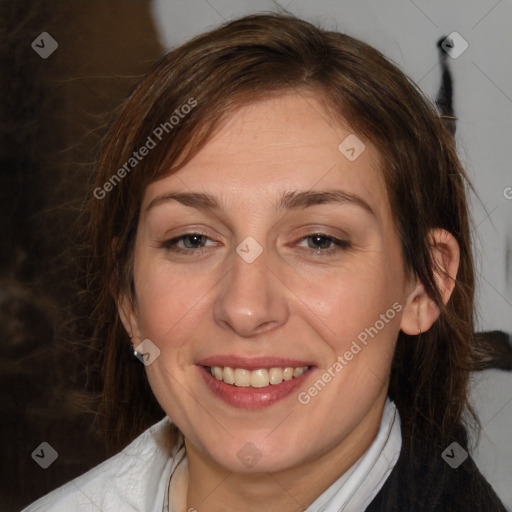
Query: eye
(187,243)
(324,244)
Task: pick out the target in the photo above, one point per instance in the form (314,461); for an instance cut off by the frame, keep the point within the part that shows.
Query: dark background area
(54,113)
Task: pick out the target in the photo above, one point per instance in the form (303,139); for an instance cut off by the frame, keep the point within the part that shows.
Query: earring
(416,299)
(133,353)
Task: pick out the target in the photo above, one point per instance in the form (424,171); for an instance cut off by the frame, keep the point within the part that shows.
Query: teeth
(256,378)
(242,377)
(228,375)
(288,373)
(275,376)
(259,378)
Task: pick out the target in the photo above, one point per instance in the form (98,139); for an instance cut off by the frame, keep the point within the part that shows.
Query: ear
(125,306)
(128,314)
(421,311)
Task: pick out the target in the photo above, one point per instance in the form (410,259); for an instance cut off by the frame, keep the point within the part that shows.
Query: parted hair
(241,62)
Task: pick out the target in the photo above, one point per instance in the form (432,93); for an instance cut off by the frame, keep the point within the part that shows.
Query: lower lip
(252,398)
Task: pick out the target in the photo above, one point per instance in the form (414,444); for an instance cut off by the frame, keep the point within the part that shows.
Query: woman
(279,230)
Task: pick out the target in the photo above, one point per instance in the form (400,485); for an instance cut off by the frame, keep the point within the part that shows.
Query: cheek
(168,303)
(350,300)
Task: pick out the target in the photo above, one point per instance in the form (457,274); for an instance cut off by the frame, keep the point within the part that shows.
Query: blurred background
(68,64)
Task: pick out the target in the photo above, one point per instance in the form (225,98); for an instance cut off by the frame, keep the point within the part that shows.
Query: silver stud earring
(133,353)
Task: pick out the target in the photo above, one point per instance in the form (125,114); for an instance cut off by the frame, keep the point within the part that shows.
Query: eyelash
(339,245)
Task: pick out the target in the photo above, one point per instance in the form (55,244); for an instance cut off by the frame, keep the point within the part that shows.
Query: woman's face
(274,248)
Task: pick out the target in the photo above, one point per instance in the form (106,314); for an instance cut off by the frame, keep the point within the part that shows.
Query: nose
(252,298)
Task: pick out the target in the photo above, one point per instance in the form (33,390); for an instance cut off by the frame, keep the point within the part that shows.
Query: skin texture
(291,302)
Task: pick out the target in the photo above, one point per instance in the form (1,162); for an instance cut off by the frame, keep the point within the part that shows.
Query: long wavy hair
(241,62)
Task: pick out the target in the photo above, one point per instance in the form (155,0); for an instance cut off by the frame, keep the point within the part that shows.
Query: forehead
(284,143)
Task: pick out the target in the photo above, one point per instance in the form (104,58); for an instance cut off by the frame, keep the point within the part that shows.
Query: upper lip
(253,363)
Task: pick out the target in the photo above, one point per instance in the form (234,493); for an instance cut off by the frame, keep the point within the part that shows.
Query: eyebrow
(301,200)
(289,200)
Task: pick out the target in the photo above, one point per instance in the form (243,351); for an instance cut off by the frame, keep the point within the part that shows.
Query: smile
(253,383)
(260,378)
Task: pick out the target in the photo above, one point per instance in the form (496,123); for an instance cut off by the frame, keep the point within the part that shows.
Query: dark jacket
(422,481)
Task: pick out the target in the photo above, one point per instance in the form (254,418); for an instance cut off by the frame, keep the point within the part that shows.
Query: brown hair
(239,63)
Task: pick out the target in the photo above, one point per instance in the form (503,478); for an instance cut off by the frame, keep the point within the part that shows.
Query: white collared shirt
(137,479)
(358,486)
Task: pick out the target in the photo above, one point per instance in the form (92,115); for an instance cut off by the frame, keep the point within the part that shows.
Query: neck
(212,488)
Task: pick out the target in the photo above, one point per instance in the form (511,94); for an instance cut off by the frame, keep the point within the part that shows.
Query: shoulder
(424,481)
(126,481)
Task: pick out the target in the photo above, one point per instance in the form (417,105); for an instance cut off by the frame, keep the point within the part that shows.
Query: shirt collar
(351,492)
(359,485)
